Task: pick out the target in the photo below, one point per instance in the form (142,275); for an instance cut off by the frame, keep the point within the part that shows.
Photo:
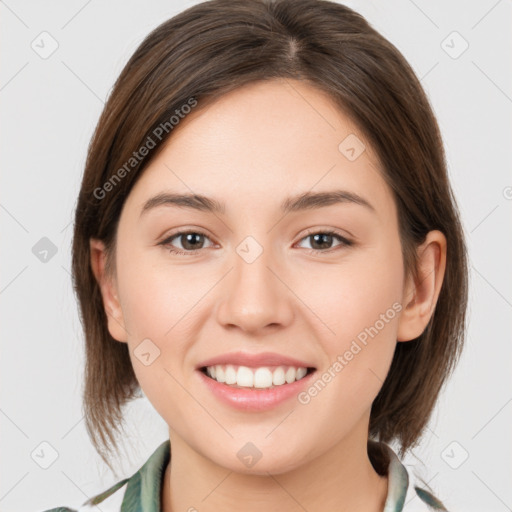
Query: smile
(264,377)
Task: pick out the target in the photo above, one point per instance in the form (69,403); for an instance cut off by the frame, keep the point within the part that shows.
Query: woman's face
(263,279)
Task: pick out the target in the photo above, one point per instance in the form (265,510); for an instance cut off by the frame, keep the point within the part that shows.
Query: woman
(267,246)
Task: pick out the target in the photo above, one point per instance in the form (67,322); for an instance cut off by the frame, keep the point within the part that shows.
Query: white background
(49,108)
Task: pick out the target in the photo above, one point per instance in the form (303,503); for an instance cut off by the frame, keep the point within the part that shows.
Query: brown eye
(322,241)
(190,241)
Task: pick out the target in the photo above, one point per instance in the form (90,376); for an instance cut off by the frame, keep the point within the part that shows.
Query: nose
(256,297)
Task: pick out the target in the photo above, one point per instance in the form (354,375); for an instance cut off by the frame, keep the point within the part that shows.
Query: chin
(275,464)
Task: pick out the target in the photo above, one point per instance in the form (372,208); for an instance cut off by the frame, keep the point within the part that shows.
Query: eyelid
(344,241)
(183,231)
(332,231)
(175,235)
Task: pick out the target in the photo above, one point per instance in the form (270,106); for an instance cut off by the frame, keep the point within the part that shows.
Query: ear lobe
(421,297)
(108,291)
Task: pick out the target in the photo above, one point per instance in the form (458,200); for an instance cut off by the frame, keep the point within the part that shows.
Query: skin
(280,136)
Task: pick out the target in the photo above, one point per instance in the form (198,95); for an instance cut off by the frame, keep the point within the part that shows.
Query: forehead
(262,142)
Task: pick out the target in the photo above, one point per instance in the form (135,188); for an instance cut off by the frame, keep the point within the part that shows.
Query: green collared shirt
(141,492)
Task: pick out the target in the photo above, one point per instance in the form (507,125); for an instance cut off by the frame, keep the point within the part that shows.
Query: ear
(420,298)
(108,290)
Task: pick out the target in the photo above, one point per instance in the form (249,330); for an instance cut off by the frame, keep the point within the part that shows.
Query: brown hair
(217,46)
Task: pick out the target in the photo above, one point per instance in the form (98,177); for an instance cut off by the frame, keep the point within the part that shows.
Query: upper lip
(254,360)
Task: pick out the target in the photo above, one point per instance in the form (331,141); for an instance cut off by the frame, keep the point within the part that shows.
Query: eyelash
(344,242)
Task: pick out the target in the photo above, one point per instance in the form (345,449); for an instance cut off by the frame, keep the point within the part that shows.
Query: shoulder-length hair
(217,46)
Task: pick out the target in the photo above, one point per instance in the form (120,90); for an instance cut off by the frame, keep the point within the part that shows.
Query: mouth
(262,377)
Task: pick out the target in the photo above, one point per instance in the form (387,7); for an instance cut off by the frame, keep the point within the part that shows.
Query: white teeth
(290,375)
(278,376)
(218,374)
(245,377)
(262,378)
(301,372)
(230,375)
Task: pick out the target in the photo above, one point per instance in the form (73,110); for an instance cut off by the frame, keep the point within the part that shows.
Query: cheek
(352,296)
(158,305)
(155,296)
(358,307)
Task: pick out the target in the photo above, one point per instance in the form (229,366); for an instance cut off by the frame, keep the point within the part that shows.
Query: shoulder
(419,498)
(61,509)
(111,500)
(407,492)
(141,488)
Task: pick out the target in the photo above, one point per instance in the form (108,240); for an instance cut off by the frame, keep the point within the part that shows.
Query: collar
(142,490)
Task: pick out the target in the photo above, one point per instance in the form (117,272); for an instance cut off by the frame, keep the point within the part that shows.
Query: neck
(340,480)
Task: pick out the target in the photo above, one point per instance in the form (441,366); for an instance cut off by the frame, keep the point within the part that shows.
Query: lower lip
(254,399)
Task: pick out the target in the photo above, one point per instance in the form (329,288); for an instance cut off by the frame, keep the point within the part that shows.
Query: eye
(323,241)
(191,241)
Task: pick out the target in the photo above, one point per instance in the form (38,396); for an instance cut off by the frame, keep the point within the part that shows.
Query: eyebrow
(304,201)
